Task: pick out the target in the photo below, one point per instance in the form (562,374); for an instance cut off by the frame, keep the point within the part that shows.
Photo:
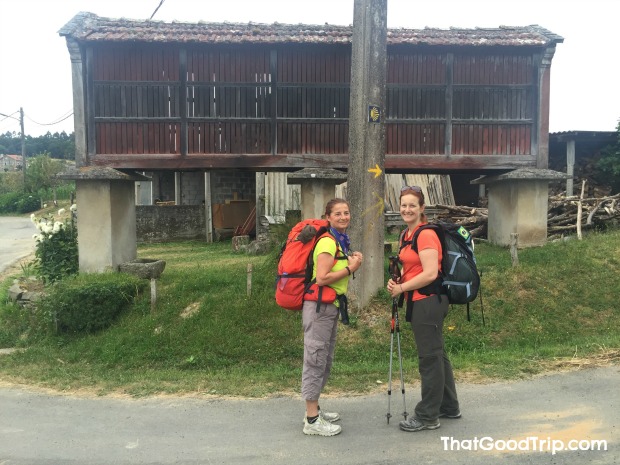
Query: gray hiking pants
(438,388)
(319,344)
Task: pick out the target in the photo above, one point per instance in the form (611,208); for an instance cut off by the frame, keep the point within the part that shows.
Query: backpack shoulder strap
(435,227)
(340,255)
(402,243)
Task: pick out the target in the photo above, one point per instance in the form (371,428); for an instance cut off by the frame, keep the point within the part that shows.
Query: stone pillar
(318,186)
(570,166)
(366,183)
(106,218)
(518,204)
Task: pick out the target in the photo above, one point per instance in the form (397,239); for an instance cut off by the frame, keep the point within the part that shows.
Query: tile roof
(91,28)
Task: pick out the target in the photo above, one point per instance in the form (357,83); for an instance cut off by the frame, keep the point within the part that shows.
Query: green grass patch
(207,336)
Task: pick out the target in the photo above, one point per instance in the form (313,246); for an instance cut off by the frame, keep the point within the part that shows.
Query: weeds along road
(523,422)
(16,239)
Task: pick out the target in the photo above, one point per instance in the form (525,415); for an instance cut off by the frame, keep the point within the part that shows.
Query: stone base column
(518,203)
(106,217)
(318,186)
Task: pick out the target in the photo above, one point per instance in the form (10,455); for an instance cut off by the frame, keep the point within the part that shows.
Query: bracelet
(348,270)
(402,291)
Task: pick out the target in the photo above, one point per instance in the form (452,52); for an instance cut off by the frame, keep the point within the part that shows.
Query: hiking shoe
(329,416)
(450,415)
(321,427)
(413,424)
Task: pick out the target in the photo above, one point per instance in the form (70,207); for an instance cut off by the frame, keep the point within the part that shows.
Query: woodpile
(567,215)
(474,219)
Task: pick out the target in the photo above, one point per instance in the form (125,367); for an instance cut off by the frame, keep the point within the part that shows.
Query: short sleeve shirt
(412,266)
(327,244)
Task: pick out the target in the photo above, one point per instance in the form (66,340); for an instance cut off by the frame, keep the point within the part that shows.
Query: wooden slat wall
(486,104)
(280,196)
(134,84)
(493,104)
(230,87)
(313,100)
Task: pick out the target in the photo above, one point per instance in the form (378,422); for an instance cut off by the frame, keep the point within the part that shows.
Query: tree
(41,172)
(608,166)
(58,145)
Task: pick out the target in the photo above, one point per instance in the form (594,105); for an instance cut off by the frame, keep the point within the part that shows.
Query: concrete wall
(519,206)
(170,223)
(226,184)
(107,230)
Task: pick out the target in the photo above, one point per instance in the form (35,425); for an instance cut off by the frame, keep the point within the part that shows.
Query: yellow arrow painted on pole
(375,170)
(376,210)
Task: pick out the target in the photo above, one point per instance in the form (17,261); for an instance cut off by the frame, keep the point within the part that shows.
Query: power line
(9,116)
(160,4)
(60,120)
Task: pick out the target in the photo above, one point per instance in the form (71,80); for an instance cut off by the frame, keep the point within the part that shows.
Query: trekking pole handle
(394,269)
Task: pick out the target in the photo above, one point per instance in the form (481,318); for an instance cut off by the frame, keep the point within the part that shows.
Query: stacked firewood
(567,214)
(562,217)
(474,219)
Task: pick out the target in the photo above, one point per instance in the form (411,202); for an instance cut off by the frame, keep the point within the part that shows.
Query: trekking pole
(395,328)
(481,304)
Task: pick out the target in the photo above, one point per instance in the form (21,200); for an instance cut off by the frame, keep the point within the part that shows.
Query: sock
(312,419)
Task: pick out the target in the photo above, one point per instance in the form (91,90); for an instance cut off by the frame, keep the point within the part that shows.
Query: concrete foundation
(106,219)
(518,203)
(318,186)
(106,233)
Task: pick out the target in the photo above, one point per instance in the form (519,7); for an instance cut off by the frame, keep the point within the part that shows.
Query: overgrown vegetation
(207,336)
(25,194)
(56,249)
(608,166)
(86,303)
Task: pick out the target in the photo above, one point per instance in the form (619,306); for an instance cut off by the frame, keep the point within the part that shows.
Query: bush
(18,202)
(88,302)
(56,250)
(8,202)
(28,203)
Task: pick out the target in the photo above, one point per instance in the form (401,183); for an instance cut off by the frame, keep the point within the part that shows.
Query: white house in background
(10,162)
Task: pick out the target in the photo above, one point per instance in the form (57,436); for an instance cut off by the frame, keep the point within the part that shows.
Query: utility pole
(21,124)
(365,179)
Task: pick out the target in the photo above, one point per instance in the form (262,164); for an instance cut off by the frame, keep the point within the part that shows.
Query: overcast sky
(585,92)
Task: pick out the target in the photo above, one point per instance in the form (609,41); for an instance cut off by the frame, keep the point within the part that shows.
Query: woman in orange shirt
(426,314)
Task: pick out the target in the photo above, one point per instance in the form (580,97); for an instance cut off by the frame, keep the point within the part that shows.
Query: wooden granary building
(182,96)
(210,98)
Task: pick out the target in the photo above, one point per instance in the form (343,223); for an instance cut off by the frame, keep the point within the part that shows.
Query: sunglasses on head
(411,188)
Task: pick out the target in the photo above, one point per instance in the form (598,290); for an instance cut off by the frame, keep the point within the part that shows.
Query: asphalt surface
(530,416)
(16,240)
(523,422)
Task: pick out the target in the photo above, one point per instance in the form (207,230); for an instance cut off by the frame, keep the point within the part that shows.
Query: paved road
(15,240)
(42,429)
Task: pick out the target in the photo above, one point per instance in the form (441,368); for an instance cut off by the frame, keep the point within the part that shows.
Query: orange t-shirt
(412,266)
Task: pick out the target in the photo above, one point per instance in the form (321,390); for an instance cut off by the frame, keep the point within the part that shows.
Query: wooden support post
(580,209)
(514,244)
(249,285)
(153,294)
(570,166)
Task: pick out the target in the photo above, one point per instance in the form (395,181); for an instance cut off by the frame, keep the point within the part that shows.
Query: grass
(556,310)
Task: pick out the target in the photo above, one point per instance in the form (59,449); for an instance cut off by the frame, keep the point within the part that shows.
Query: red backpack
(295,264)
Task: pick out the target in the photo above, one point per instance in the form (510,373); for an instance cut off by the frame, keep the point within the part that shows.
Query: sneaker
(321,427)
(450,415)
(413,424)
(329,416)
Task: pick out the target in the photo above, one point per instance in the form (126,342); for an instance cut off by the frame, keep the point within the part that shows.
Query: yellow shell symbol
(374,113)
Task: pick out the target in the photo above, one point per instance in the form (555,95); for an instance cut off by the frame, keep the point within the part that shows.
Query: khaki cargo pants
(320,331)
